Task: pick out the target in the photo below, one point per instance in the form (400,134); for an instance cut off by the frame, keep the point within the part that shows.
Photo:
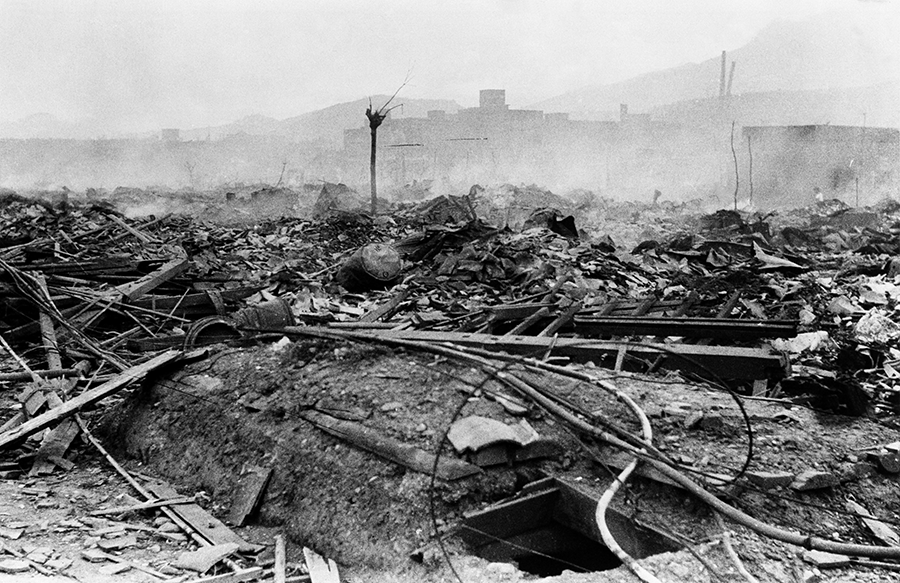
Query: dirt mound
(243,407)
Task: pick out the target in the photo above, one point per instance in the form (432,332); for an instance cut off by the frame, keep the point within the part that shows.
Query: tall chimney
(730,78)
(722,77)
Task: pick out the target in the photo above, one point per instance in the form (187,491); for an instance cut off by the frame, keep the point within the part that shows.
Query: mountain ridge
(785,55)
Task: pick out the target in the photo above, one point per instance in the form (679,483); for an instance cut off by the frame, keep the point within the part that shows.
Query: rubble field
(508,385)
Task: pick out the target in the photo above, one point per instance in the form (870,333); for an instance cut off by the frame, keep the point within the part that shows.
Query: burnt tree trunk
(375,119)
(372,179)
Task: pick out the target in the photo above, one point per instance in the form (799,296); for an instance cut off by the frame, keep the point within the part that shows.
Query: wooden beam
(71,407)
(236,577)
(725,361)
(280,559)
(320,570)
(44,374)
(141,287)
(564,318)
(687,327)
(530,321)
(509,518)
(386,309)
(250,490)
(202,521)
(142,237)
(142,506)
(448,468)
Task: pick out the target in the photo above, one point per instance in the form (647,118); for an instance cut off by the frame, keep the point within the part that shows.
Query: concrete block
(825,560)
(770,480)
(814,480)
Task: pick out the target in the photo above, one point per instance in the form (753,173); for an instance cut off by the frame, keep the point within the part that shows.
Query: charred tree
(376,117)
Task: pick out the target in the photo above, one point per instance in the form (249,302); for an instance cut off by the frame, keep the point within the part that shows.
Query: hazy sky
(138,65)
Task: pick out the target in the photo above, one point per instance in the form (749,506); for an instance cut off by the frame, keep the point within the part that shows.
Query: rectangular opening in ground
(550,527)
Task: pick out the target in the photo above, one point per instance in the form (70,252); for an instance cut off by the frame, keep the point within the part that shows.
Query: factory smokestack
(722,77)
(730,78)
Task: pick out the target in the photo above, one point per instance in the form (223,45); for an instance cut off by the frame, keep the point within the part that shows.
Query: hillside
(827,52)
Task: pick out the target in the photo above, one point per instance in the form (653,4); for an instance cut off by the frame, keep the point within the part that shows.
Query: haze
(140,66)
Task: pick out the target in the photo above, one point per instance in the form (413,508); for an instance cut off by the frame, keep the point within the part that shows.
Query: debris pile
(520,285)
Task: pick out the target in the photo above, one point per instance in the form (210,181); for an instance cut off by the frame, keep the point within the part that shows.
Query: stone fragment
(770,480)
(14,566)
(59,564)
(115,568)
(811,577)
(176,536)
(204,558)
(115,544)
(510,405)
(842,306)
(693,420)
(169,527)
(814,480)
(677,409)
(825,560)
(715,423)
(392,406)
(39,558)
(11,533)
(850,472)
(474,432)
(94,556)
(109,531)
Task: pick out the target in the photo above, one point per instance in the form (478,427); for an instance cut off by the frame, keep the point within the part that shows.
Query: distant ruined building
(494,143)
(844,162)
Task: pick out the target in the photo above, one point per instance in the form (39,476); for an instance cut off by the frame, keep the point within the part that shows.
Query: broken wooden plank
(879,530)
(202,559)
(139,288)
(83,269)
(202,521)
(142,237)
(390,449)
(195,304)
(44,374)
(280,559)
(577,507)
(72,406)
(725,361)
(57,440)
(320,570)
(54,445)
(48,333)
(508,518)
(564,318)
(17,419)
(143,506)
(95,555)
(251,487)
(236,577)
(386,309)
(530,321)
(687,327)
